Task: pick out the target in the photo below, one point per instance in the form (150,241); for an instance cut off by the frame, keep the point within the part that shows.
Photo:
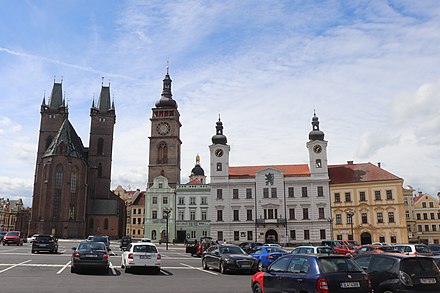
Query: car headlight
(405,279)
(227,259)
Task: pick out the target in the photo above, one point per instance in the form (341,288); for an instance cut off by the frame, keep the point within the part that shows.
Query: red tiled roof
(364,172)
(194,182)
(288,170)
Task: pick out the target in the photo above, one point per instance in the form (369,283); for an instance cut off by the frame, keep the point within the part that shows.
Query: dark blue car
(267,255)
(312,273)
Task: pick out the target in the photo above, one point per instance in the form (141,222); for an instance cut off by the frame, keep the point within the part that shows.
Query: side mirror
(109,249)
(73,248)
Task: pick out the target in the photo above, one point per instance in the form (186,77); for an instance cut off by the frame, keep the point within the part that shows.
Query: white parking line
(63,268)
(13,266)
(112,268)
(200,269)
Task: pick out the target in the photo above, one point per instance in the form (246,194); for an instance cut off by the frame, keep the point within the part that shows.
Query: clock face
(317,149)
(163,128)
(219,152)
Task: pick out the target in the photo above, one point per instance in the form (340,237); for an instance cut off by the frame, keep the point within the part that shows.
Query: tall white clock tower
(317,147)
(219,154)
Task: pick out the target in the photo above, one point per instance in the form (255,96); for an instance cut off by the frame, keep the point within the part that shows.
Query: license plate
(42,245)
(145,256)
(428,281)
(245,266)
(350,285)
(91,255)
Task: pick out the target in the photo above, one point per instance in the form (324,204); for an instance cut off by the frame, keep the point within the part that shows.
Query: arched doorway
(365,238)
(271,236)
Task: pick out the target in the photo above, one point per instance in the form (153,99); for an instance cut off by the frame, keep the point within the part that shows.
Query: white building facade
(287,204)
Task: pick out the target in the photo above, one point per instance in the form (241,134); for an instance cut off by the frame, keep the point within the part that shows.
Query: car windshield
(274,249)
(231,250)
(42,237)
(325,250)
(100,239)
(87,246)
(338,265)
(12,234)
(423,249)
(144,248)
(416,266)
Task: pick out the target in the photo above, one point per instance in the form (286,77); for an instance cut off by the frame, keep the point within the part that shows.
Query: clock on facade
(317,149)
(219,152)
(163,128)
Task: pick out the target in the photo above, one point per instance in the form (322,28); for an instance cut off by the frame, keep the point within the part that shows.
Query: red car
(344,249)
(13,237)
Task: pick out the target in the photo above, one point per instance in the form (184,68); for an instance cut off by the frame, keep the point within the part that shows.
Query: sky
(370,70)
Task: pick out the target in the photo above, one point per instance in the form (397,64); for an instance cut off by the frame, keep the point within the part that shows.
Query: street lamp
(167,212)
(350,216)
(330,220)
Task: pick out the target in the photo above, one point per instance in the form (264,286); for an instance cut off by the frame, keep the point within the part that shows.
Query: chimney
(378,164)
(350,162)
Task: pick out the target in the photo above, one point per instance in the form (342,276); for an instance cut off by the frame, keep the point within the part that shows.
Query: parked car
(31,238)
(308,249)
(228,257)
(90,255)
(105,239)
(13,237)
(312,273)
(265,255)
(396,272)
(45,242)
(89,238)
(331,243)
(414,249)
(344,249)
(374,249)
(248,246)
(141,255)
(125,240)
(435,248)
(145,240)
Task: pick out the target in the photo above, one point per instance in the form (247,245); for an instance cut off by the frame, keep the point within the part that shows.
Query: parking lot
(22,271)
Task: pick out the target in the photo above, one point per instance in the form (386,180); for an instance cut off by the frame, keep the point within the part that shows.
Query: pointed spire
(56,97)
(44,99)
(104,99)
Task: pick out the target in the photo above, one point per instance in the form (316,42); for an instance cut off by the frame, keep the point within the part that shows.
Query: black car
(45,242)
(435,248)
(90,255)
(312,273)
(104,239)
(228,258)
(125,240)
(396,272)
(249,246)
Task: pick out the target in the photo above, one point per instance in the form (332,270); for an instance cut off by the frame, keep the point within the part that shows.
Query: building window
(349,218)
(204,233)
(318,163)
(320,191)
(381,239)
(306,234)
(165,200)
(419,228)
(220,235)
(305,213)
(425,216)
(249,215)
(134,211)
(204,200)
(249,235)
(391,217)
(192,200)
(339,237)
(181,214)
(162,153)
(379,217)
(248,193)
(418,216)
(423,204)
(407,215)
(432,216)
(192,215)
(193,234)
(434,228)
(322,234)
(389,194)
(154,214)
(265,192)
(219,167)
(105,224)
(204,215)
(181,201)
(377,195)
(338,219)
(291,214)
(99,170)
(236,215)
(321,213)
(291,192)
(235,193)
(348,197)
(219,215)
(153,235)
(236,235)
(219,193)
(293,234)
(427,228)
(431,204)
(154,200)
(270,213)
(364,218)
(160,185)
(304,191)
(393,239)
(273,192)
(362,196)
(337,197)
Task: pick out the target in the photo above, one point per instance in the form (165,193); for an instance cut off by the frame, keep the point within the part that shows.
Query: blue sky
(371,69)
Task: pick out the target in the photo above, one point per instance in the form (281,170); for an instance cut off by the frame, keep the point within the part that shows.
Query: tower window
(99,170)
(100,150)
(318,163)
(163,153)
(106,224)
(219,167)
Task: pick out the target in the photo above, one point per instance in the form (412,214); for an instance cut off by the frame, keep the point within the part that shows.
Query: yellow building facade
(367,204)
(427,213)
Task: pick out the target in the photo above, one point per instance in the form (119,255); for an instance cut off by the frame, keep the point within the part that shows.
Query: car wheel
(204,265)
(257,288)
(127,269)
(260,266)
(72,269)
(222,268)
(32,251)
(157,270)
(387,291)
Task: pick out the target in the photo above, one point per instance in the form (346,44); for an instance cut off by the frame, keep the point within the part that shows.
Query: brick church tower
(72,196)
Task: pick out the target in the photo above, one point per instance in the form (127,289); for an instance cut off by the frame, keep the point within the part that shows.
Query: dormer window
(101,119)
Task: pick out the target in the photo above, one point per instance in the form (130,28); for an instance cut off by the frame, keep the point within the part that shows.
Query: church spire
(219,138)
(104,104)
(166,99)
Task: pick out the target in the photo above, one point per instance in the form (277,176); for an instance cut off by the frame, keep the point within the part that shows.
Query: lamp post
(330,220)
(167,212)
(350,216)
